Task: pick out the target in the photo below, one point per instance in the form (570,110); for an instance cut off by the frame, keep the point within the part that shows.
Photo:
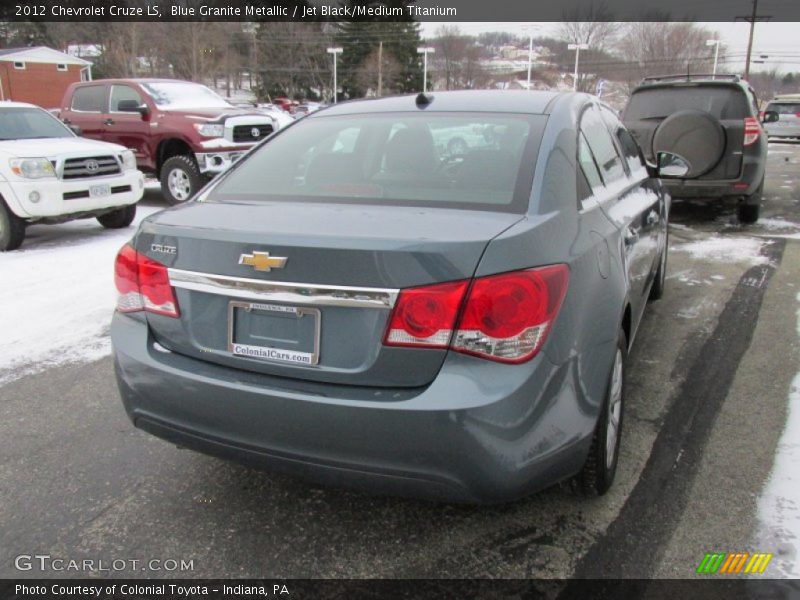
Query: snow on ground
(726,249)
(779,504)
(58,295)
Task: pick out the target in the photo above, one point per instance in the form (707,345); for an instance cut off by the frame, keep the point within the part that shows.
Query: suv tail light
(752,129)
(505,318)
(143,284)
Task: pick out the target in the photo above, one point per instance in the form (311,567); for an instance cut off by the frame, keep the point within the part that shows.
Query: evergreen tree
(374,48)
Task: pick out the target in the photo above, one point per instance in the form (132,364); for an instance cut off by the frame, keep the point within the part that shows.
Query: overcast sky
(779,41)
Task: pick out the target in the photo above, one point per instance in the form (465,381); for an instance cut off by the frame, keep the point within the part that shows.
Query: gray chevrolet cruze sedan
(361,302)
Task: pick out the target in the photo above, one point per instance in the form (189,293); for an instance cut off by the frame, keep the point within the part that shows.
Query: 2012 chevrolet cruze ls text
(361,302)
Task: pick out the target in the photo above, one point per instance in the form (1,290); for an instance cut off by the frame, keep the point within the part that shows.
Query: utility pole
(380,69)
(752,18)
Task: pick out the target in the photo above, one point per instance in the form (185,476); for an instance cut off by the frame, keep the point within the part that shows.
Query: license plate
(274,332)
(99,191)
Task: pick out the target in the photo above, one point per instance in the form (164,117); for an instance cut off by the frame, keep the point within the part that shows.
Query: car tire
(660,281)
(180,179)
(118,219)
(750,208)
(600,467)
(12,229)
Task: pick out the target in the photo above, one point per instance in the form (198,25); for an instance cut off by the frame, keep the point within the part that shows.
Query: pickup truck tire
(118,219)
(12,229)
(180,179)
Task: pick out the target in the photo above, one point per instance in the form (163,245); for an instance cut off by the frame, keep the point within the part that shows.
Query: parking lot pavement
(707,396)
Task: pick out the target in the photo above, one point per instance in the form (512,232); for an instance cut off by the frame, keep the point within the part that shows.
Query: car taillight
(505,317)
(752,129)
(425,316)
(143,284)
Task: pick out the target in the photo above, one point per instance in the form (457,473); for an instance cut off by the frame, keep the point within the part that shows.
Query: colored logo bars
(719,563)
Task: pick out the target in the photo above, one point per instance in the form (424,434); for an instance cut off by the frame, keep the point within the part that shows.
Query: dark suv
(711,121)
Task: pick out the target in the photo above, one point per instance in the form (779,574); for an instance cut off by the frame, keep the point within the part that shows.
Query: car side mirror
(770,117)
(672,166)
(76,129)
(133,106)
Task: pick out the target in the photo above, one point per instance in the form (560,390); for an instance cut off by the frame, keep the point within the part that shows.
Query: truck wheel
(12,229)
(750,208)
(118,219)
(180,179)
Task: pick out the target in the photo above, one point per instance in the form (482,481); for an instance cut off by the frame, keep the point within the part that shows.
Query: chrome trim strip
(282,291)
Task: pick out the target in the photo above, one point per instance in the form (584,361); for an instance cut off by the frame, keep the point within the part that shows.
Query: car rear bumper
(59,197)
(747,184)
(464,437)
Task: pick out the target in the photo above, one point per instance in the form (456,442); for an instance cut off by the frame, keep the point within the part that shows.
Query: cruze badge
(262,261)
(255,132)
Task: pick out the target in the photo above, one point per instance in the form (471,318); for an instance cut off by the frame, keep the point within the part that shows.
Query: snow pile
(726,249)
(779,504)
(58,295)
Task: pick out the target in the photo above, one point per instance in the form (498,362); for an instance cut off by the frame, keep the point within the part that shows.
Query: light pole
(424,51)
(335,52)
(530,30)
(716,52)
(577,48)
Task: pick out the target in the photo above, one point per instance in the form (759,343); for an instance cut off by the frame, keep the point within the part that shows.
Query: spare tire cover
(694,135)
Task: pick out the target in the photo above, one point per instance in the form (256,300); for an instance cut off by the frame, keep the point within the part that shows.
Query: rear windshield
(784,108)
(723,102)
(475,161)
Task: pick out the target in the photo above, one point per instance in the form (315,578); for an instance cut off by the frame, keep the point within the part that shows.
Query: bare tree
(658,48)
(457,60)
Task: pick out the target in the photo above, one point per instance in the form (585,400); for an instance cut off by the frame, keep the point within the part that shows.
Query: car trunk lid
(321,313)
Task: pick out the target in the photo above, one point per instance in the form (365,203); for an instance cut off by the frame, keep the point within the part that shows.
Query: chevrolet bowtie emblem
(262,261)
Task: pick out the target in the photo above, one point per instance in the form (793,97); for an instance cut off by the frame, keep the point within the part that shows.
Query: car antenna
(423,99)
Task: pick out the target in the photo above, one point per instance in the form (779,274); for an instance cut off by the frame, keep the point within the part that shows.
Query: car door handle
(66,121)
(652,218)
(108,122)
(631,237)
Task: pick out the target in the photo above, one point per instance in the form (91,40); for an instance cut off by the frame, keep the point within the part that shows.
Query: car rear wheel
(12,229)
(180,179)
(118,219)
(750,208)
(601,464)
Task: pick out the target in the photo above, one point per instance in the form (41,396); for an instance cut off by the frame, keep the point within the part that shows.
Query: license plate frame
(271,354)
(101,190)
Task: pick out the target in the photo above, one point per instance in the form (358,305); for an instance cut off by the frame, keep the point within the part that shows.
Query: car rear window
(476,161)
(784,108)
(724,102)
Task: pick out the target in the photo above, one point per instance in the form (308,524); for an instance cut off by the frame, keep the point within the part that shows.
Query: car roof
(137,80)
(9,104)
(495,101)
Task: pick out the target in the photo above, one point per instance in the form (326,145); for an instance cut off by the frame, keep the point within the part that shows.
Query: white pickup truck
(50,175)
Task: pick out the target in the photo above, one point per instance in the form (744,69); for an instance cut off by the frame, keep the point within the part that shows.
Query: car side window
(89,99)
(589,176)
(630,150)
(602,146)
(120,93)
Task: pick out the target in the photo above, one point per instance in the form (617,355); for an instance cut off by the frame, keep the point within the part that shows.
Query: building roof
(41,54)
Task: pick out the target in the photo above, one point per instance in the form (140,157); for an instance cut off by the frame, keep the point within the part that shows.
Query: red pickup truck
(180,131)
